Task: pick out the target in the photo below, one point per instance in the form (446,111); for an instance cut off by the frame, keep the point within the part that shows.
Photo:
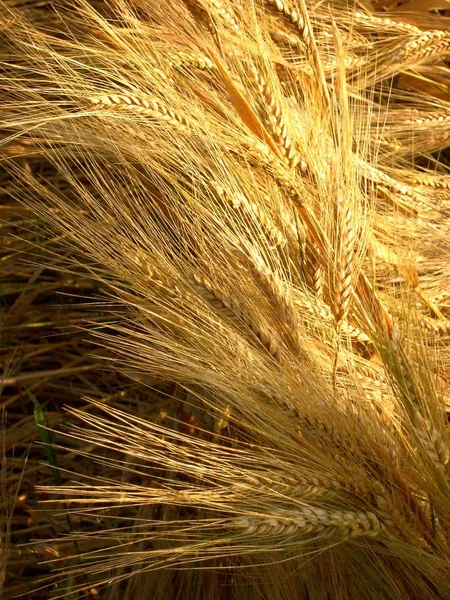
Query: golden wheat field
(225,299)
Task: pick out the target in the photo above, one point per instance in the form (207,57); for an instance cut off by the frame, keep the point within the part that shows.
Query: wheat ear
(240,202)
(196,61)
(313,270)
(220,300)
(145,107)
(429,45)
(293,16)
(224,13)
(375,22)
(276,122)
(300,19)
(345,266)
(310,520)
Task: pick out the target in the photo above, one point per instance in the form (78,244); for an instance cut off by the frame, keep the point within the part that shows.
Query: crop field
(225,299)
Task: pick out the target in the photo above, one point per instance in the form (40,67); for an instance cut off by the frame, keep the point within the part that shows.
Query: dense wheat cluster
(225,299)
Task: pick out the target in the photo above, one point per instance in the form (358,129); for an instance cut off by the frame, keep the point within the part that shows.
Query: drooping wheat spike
(345,233)
(253,210)
(434,443)
(375,22)
(312,520)
(220,300)
(300,19)
(276,121)
(436,325)
(432,180)
(344,276)
(398,195)
(313,270)
(196,61)
(312,305)
(414,404)
(276,290)
(427,125)
(429,45)
(141,106)
(222,11)
(293,16)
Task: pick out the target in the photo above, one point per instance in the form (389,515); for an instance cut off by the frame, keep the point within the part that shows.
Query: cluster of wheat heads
(248,204)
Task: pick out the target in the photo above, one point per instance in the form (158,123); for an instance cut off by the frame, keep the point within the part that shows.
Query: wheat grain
(286,39)
(276,122)
(197,61)
(429,45)
(225,14)
(429,119)
(431,439)
(401,196)
(345,264)
(391,143)
(274,234)
(436,448)
(240,202)
(140,106)
(439,326)
(311,520)
(384,23)
(301,22)
(221,301)
(236,444)
(315,306)
(288,487)
(404,374)
(293,16)
(277,292)
(434,181)
(314,271)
